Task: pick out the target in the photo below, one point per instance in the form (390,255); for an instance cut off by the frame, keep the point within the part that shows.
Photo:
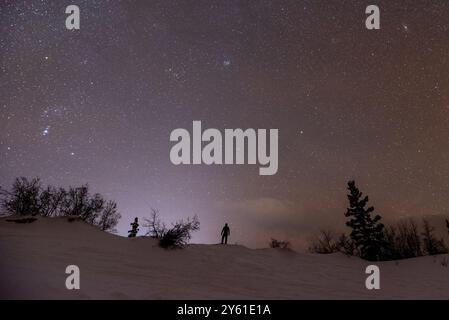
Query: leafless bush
(324,243)
(22,199)
(156,228)
(346,245)
(402,241)
(50,201)
(279,244)
(177,236)
(28,197)
(180,233)
(432,245)
(109,217)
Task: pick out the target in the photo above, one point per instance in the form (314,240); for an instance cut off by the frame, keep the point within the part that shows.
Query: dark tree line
(29,197)
(371,240)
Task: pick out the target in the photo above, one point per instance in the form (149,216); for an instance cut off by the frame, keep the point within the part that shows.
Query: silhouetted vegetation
(29,197)
(328,242)
(177,236)
(371,240)
(156,228)
(134,228)
(180,233)
(23,198)
(109,217)
(346,245)
(431,244)
(367,231)
(279,244)
(402,241)
(324,243)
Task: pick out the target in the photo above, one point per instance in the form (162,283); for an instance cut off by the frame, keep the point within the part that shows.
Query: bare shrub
(177,236)
(180,233)
(346,245)
(279,244)
(109,217)
(432,245)
(402,241)
(156,228)
(324,243)
(50,201)
(28,197)
(23,198)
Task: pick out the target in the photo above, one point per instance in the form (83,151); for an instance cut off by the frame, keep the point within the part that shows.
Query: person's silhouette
(225,232)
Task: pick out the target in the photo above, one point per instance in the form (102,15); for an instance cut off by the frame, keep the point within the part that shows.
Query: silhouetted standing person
(225,232)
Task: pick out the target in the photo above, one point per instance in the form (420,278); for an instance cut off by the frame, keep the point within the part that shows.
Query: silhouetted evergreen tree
(134,228)
(367,232)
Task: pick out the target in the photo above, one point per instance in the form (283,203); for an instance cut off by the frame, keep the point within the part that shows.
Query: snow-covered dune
(34,257)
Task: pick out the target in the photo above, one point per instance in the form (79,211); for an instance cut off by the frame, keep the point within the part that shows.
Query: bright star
(46,131)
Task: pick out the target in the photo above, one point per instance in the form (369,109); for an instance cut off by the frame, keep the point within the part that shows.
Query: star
(46,131)
(405,27)
(380,104)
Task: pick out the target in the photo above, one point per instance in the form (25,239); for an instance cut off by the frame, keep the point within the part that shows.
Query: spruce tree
(367,232)
(134,228)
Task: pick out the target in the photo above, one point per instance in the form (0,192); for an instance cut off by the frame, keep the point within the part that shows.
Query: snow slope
(34,257)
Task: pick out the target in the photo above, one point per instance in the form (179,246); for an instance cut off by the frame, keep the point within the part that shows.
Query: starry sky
(97,106)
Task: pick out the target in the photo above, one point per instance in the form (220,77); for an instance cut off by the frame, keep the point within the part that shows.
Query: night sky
(97,106)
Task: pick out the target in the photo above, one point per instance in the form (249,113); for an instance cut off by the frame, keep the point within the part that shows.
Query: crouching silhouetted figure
(225,233)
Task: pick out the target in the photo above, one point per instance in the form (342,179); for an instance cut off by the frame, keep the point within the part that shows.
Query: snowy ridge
(35,255)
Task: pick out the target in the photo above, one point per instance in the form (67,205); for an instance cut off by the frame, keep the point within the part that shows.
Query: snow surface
(34,258)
